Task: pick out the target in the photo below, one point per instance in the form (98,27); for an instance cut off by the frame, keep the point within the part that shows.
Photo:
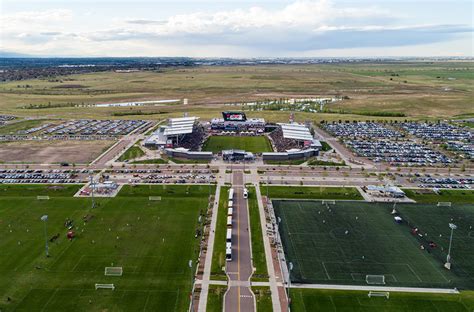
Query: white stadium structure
(171,133)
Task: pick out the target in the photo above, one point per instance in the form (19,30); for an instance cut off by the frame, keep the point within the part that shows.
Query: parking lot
(437,131)
(42,176)
(362,130)
(157,176)
(450,183)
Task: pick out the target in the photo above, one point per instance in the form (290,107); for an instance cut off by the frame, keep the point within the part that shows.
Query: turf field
(305,300)
(312,192)
(152,240)
(342,243)
(256,144)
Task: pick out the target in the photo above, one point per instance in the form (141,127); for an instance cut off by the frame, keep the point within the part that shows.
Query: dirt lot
(79,152)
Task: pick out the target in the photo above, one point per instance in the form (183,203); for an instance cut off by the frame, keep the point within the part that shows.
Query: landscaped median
(311,192)
(218,254)
(258,251)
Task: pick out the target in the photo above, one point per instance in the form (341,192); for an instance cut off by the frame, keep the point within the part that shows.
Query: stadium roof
(178,126)
(296,131)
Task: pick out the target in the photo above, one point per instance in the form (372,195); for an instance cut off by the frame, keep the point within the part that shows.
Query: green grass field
(215,298)
(132,153)
(305,300)
(454,196)
(263,298)
(256,144)
(258,251)
(152,240)
(342,243)
(218,255)
(312,192)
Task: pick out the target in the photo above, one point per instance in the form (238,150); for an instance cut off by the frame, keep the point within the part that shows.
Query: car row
(96,127)
(437,131)
(364,130)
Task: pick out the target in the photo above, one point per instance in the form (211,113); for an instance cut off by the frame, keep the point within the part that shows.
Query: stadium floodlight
(453,227)
(44,218)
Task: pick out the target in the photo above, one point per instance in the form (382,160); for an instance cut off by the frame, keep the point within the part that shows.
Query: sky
(224,28)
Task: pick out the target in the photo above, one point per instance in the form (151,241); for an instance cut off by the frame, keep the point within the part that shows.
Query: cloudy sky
(244,28)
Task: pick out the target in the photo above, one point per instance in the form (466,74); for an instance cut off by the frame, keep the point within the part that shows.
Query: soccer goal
(104,286)
(375,279)
(154,198)
(113,271)
(444,204)
(385,294)
(40,197)
(329,202)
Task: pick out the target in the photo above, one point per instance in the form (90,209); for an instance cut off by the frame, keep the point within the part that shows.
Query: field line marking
(78,261)
(411,269)
(325,270)
(49,299)
(146,301)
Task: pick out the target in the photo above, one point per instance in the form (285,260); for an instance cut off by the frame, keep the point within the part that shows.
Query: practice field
(255,144)
(305,300)
(345,242)
(152,241)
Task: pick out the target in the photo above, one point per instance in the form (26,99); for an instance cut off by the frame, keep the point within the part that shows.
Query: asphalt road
(238,296)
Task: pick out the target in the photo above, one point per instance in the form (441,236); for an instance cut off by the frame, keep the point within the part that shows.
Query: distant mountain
(12,54)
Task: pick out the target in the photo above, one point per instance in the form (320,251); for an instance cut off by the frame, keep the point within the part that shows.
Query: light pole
(290,268)
(44,218)
(190,264)
(447,265)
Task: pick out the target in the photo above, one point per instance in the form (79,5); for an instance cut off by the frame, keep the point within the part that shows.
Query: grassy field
(258,251)
(256,144)
(215,299)
(454,196)
(218,255)
(158,161)
(263,298)
(152,241)
(305,300)
(417,89)
(132,153)
(312,192)
(342,243)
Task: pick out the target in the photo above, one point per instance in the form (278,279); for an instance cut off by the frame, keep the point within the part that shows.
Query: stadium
(234,137)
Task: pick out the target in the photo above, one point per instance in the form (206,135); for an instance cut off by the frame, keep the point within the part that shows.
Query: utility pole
(447,265)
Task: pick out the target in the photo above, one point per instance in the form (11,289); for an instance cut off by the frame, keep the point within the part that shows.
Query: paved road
(238,296)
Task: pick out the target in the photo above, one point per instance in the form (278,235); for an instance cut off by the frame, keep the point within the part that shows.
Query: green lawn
(132,153)
(263,298)
(293,162)
(152,241)
(188,161)
(305,300)
(258,251)
(256,144)
(342,243)
(310,192)
(454,196)
(30,190)
(218,255)
(215,299)
(158,161)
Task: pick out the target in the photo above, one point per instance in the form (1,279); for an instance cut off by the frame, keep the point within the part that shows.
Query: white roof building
(175,127)
(296,131)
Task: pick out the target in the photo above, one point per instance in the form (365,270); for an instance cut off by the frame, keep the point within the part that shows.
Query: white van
(230,212)
(246,193)
(229,221)
(228,238)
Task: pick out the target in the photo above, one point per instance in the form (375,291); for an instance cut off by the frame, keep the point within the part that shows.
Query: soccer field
(305,300)
(255,144)
(342,243)
(151,240)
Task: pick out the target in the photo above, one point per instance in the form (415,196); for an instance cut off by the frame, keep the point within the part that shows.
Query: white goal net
(39,197)
(444,204)
(329,202)
(154,198)
(385,294)
(375,279)
(113,271)
(104,286)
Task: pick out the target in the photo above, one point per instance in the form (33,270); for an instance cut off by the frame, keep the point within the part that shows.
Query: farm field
(345,242)
(78,152)
(418,89)
(151,240)
(305,300)
(255,144)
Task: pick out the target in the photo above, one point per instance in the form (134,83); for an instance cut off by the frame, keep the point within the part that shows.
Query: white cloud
(296,29)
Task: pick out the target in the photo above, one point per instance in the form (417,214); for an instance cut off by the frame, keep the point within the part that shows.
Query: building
(237,121)
(167,136)
(388,191)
